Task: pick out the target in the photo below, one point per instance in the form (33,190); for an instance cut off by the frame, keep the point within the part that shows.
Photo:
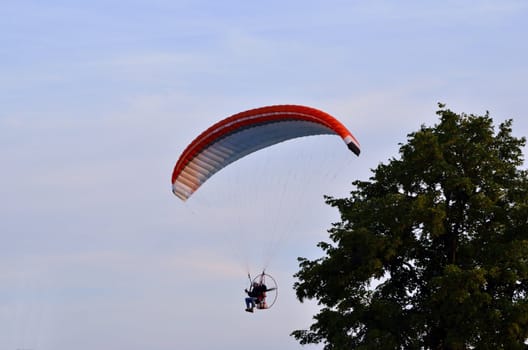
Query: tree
(432,251)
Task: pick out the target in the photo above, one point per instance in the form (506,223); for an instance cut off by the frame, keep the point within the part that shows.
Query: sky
(99,98)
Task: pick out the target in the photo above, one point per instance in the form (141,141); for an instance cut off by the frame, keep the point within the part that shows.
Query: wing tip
(354,148)
(180,195)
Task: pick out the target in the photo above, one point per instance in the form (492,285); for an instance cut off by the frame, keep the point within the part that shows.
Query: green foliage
(432,251)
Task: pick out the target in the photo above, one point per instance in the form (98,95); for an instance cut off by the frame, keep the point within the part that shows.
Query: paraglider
(245,133)
(259,295)
(240,135)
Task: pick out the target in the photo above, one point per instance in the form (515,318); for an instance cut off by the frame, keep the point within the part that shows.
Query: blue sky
(97,100)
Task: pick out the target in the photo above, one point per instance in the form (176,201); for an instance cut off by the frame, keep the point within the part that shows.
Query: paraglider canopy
(247,132)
